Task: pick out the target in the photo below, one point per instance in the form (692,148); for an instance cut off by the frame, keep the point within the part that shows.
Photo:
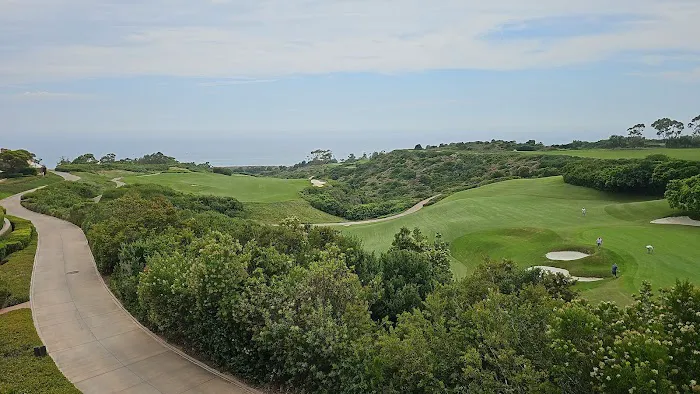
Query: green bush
(685,194)
(62,199)
(18,239)
(222,170)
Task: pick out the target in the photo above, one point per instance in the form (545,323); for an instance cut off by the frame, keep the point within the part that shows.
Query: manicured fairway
(524,219)
(242,187)
(686,154)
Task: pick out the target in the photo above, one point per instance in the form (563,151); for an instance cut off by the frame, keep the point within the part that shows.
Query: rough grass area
(17,185)
(678,153)
(524,219)
(16,273)
(20,371)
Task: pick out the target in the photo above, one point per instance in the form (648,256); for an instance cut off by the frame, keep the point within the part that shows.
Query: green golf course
(267,200)
(684,154)
(524,219)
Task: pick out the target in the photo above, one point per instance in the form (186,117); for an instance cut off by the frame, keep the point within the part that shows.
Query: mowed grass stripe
(242,187)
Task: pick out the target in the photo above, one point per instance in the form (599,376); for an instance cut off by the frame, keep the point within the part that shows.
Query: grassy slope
(524,219)
(21,372)
(268,200)
(686,154)
(18,185)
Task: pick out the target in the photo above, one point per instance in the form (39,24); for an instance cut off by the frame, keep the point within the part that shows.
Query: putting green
(242,187)
(680,153)
(524,219)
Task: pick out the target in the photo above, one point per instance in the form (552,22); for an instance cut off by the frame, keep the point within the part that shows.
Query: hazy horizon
(266,149)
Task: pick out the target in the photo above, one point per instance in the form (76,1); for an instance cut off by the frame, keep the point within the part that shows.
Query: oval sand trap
(680,220)
(565,255)
(555,270)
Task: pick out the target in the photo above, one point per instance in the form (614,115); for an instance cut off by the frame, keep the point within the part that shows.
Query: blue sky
(351,75)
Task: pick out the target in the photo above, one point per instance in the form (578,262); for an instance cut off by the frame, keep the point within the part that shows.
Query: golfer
(583,211)
(650,249)
(614,270)
(599,242)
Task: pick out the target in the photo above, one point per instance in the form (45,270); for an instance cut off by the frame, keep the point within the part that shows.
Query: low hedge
(18,239)
(21,372)
(16,276)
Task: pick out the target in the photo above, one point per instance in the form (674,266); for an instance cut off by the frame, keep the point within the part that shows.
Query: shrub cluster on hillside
(643,176)
(305,309)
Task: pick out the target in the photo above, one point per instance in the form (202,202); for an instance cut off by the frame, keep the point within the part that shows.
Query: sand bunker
(318,183)
(564,272)
(565,255)
(680,220)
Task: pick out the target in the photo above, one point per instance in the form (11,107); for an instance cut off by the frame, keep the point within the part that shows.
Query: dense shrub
(222,170)
(62,199)
(648,176)
(685,194)
(226,205)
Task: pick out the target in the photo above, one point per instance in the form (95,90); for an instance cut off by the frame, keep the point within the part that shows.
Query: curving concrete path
(409,211)
(6,227)
(66,175)
(95,343)
(118,181)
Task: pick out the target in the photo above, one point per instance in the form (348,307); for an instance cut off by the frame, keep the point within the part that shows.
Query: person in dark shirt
(614,270)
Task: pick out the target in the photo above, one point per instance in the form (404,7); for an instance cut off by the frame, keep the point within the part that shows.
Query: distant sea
(272,148)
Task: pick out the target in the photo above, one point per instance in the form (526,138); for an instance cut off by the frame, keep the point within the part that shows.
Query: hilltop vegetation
(155,162)
(306,309)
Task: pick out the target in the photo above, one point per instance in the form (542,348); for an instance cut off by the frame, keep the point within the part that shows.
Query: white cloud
(267,39)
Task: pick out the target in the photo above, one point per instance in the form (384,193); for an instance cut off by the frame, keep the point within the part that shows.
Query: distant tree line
(147,163)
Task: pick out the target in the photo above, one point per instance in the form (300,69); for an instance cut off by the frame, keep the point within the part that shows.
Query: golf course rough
(524,219)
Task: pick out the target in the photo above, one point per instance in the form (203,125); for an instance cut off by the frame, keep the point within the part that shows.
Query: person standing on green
(614,270)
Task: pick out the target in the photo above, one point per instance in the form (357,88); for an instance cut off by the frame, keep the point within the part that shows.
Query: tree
(684,194)
(87,158)
(668,128)
(321,156)
(108,158)
(14,161)
(418,147)
(636,130)
(351,158)
(694,126)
